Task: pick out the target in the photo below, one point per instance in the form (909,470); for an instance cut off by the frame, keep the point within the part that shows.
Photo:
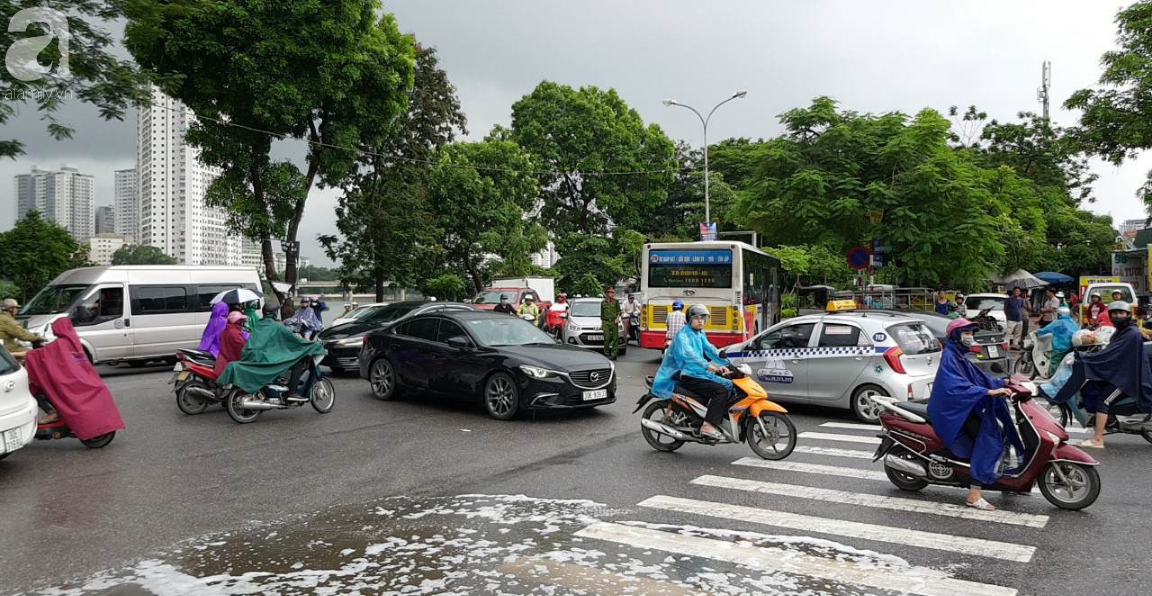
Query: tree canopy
(135,254)
(35,251)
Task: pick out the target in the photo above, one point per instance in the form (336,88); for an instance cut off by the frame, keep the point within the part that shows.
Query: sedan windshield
(585,309)
(388,314)
(507,331)
(52,300)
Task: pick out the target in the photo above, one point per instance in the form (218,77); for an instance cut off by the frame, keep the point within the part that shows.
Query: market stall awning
(1019,279)
(1054,278)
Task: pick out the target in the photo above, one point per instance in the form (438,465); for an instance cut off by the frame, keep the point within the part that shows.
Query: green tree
(1116,117)
(35,251)
(135,254)
(679,218)
(812,264)
(478,195)
(316,273)
(9,290)
(386,231)
(448,286)
(590,145)
(595,261)
(94,76)
(333,74)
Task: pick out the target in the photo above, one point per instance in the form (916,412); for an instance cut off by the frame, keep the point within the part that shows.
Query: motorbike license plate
(594,395)
(993,352)
(595,338)
(182,375)
(12,440)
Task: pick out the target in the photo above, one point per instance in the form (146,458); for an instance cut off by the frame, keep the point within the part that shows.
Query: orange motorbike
(667,424)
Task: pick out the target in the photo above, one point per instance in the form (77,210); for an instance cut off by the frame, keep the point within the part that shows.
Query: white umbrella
(237,296)
(1020,279)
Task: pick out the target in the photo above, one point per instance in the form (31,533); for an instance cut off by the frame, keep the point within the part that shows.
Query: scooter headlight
(745,369)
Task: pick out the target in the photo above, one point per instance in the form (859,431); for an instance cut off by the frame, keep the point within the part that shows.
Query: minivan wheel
(865,409)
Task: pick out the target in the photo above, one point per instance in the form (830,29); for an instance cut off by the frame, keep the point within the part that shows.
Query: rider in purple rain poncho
(210,340)
(968,414)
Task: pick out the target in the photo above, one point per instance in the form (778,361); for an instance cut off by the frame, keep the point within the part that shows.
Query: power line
(284,137)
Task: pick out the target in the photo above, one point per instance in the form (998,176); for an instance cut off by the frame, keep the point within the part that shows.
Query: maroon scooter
(914,457)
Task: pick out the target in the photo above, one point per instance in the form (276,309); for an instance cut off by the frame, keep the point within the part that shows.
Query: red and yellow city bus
(738,283)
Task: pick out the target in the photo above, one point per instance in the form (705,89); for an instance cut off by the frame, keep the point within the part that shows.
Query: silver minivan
(134,313)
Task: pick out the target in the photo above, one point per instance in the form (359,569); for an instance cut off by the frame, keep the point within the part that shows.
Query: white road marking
(876,501)
(911,580)
(833,451)
(851,426)
(977,547)
(795,466)
(842,438)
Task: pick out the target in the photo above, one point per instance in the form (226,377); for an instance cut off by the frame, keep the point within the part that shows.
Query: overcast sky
(871,56)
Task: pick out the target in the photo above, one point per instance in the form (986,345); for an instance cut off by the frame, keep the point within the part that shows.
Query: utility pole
(1045,85)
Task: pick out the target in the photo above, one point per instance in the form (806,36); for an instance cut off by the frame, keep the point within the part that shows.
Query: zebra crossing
(777,487)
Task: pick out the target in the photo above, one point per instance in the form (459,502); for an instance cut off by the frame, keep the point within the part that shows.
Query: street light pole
(704,121)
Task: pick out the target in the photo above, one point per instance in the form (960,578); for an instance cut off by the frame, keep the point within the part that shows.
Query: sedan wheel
(501,397)
(383,380)
(864,407)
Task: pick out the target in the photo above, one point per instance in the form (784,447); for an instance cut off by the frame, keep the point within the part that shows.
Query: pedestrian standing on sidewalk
(1015,309)
(610,322)
(1051,304)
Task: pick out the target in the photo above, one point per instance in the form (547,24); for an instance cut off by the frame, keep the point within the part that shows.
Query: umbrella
(237,296)
(1019,279)
(1054,278)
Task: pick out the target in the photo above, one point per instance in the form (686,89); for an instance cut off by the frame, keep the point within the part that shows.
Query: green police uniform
(609,315)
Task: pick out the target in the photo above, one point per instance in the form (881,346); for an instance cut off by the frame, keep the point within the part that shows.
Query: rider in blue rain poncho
(968,414)
(696,360)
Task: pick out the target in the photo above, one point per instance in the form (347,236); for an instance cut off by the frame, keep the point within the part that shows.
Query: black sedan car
(343,342)
(507,362)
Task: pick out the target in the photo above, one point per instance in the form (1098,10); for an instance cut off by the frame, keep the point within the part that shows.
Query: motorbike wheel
(190,403)
(658,441)
(781,437)
(99,441)
(323,396)
(1060,413)
(1080,491)
(900,480)
(1025,366)
(237,412)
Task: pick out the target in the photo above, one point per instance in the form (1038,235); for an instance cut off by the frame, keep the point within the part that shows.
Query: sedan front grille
(591,378)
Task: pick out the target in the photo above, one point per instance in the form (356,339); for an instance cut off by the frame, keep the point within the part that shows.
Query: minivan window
(7,363)
(154,300)
(914,338)
(53,299)
(101,307)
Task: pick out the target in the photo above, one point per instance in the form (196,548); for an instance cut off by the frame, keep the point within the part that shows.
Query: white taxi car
(843,358)
(18,408)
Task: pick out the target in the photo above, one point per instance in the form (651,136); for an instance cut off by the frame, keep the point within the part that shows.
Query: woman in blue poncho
(964,399)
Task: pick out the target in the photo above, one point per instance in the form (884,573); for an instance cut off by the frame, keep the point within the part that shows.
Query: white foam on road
(910,580)
(945,542)
(795,466)
(841,438)
(875,501)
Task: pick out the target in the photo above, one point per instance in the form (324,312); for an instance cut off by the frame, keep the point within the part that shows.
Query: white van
(134,313)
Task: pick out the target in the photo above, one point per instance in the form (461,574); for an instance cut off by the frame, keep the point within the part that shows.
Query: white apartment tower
(64,196)
(127,205)
(172,185)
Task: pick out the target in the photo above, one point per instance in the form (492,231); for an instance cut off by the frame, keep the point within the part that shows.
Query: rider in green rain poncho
(253,311)
(271,351)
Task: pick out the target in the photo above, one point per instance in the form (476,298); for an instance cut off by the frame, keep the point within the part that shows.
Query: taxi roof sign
(841,305)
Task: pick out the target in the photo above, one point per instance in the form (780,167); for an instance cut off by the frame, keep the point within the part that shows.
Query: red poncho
(61,371)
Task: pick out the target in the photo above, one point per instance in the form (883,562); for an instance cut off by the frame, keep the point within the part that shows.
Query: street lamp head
(740,93)
(670,102)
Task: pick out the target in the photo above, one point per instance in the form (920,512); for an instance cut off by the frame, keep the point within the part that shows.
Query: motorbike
(914,457)
(194,382)
(634,327)
(1124,415)
(245,408)
(1036,359)
(59,430)
(985,321)
(668,424)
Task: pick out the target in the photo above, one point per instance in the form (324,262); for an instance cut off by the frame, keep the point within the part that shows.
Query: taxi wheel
(863,407)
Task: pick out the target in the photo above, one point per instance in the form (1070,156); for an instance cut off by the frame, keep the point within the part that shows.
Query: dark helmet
(677,305)
(697,310)
(271,308)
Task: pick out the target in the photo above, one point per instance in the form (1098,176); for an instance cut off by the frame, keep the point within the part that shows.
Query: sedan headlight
(536,372)
(350,341)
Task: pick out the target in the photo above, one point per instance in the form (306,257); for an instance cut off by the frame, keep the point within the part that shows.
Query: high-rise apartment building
(64,196)
(105,220)
(127,204)
(172,185)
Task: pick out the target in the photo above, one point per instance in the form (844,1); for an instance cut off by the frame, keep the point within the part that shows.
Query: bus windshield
(690,269)
(53,299)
